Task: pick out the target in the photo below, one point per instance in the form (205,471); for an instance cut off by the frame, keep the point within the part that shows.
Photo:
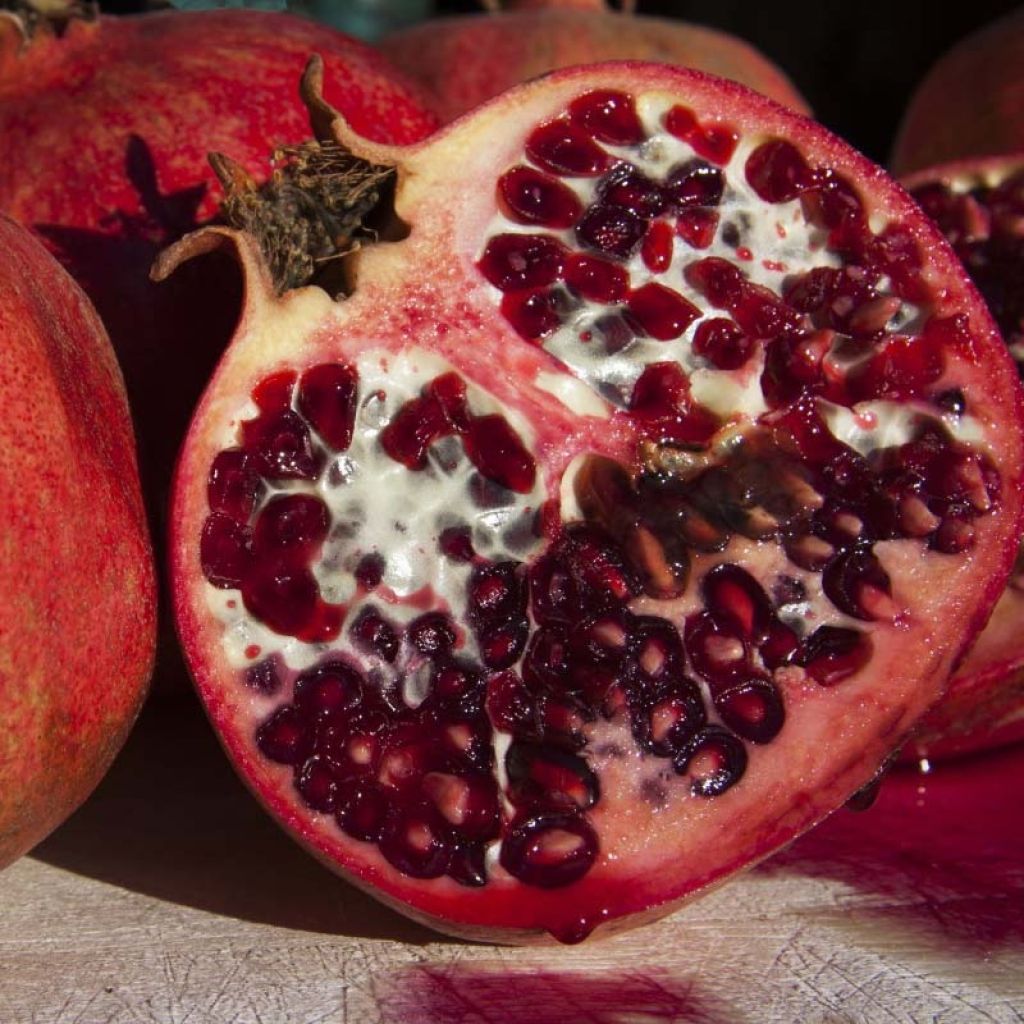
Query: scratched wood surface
(170,898)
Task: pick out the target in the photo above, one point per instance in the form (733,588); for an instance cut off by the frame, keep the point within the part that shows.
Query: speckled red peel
(77,618)
(114,117)
(464,61)
(620,523)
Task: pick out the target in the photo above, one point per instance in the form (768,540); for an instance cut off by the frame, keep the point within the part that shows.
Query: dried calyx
(617,525)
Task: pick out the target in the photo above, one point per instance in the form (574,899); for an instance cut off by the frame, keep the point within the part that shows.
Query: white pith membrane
(393,511)
(401,513)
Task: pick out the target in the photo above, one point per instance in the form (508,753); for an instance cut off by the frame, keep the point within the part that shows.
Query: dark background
(856,63)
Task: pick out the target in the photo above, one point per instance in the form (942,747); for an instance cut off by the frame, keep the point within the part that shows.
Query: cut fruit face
(616,528)
(979,206)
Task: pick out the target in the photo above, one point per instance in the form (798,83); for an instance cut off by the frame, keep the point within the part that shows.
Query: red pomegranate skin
(970,104)
(115,118)
(77,618)
(464,61)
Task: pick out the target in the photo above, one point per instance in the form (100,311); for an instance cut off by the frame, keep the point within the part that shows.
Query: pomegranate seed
(546,775)
(291,526)
(372,633)
(317,786)
(413,429)
(833,653)
(327,398)
(722,344)
(697,227)
(225,552)
(501,645)
(714,759)
(287,600)
(664,314)
(512,262)
(656,250)
(752,709)
(565,148)
(284,737)
(529,197)
(328,689)
(716,649)
(370,571)
(608,115)
(431,634)
(626,188)
(468,803)
(736,597)
(273,394)
(533,314)
(695,183)
(456,543)
(855,582)
(778,173)
(263,677)
(550,850)
(612,230)
(715,142)
(596,279)
(361,809)
(665,721)
(499,454)
(281,447)
(233,486)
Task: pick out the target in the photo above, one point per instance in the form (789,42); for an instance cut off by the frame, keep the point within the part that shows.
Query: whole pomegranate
(968,117)
(114,116)
(466,60)
(970,104)
(77,618)
(619,524)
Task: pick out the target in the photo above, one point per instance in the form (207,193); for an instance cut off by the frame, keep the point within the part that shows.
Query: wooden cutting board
(171,898)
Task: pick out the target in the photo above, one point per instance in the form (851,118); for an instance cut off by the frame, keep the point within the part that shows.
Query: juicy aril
(111,121)
(466,60)
(76,571)
(977,200)
(621,522)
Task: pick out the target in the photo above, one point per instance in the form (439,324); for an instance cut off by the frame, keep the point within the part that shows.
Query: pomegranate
(120,172)
(962,139)
(971,103)
(979,206)
(466,60)
(619,524)
(76,572)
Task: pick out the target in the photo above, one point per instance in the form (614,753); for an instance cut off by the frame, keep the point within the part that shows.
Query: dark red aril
(529,197)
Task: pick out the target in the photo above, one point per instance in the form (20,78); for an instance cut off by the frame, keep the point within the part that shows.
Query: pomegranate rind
(77,620)
(465,61)
(835,739)
(970,104)
(984,705)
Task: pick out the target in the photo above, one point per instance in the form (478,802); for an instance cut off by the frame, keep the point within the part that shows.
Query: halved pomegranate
(617,527)
(963,140)
(465,60)
(979,206)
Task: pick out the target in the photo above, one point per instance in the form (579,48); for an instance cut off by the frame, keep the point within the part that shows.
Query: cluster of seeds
(451,723)
(985,225)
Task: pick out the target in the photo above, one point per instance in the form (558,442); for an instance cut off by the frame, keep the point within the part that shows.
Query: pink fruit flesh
(979,206)
(678,600)
(464,61)
(76,571)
